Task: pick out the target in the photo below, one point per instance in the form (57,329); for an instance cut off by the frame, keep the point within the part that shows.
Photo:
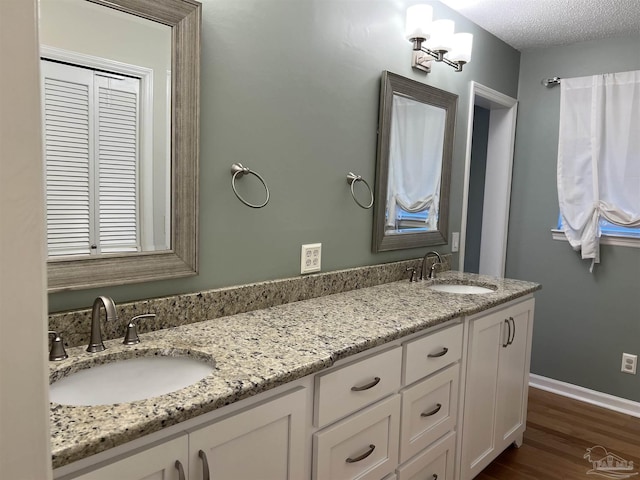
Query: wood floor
(559,431)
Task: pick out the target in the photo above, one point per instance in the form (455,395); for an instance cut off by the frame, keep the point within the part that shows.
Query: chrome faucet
(95,343)
(432,270)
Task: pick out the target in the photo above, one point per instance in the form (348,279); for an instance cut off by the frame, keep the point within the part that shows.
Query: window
(91,137)
(608,229)
(598,168)
(416,221)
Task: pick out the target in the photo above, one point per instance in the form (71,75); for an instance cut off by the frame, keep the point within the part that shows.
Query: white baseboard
(617,404)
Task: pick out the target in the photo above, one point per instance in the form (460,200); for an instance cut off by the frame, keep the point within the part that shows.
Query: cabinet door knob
(363,456)
(205,465)
(441,353)
(432,412)
(376,381)
(180,470)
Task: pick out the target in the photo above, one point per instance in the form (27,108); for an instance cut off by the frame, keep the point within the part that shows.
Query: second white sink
(128,380)
(460,288)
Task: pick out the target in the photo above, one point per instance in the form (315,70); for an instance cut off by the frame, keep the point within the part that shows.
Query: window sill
(604,240)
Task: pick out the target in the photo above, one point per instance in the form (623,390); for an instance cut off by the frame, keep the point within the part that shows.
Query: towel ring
(352,179)
(237,170)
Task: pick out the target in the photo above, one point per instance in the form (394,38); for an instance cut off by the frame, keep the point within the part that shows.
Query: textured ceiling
(526,24)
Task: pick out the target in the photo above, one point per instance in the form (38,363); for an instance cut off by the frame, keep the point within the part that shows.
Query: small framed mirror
(121,86)
(413,170)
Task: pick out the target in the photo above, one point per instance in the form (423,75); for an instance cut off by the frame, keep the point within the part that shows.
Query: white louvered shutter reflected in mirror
(91,129)
(117,154)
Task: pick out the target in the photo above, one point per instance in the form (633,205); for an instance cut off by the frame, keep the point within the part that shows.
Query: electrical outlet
(310,258)
(629,363)
(455,241)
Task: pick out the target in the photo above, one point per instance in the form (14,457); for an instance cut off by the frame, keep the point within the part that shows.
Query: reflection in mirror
(119,77)
(106,113)
(415,144)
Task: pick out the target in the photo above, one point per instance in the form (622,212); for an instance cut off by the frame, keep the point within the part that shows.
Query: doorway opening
(487,181)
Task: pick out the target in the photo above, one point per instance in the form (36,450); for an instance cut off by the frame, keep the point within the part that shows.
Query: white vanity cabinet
(162,462)
(363,445)
(430,405)
(267,442)
(387,427)
(440,404)
(496,387)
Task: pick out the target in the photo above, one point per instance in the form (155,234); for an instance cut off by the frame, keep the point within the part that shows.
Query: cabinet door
(486,336)
(497,384)
(513,379)
(155,463)
(267,441)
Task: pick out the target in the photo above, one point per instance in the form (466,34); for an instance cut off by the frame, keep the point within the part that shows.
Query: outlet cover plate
(629,363)
(311,258)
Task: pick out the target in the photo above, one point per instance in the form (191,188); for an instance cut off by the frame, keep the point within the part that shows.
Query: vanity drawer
(347,389)
(363,446)
(429,411)
(431,353)
(435,463)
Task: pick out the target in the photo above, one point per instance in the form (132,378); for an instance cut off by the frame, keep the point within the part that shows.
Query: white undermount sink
(128,380)
(460,288)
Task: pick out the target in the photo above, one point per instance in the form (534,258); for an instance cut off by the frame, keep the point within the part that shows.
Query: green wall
(583,321)
(290,88)
(475,199)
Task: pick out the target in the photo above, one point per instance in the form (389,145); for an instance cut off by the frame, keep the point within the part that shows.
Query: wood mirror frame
(393,84)
(181,260)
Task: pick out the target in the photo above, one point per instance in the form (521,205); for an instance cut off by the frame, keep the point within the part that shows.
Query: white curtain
(598,157)
(415,159)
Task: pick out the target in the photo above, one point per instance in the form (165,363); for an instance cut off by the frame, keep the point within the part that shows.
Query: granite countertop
(260,350)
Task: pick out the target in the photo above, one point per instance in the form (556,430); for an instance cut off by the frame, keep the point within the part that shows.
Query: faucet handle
(57,351)
(412,277)
(131,335)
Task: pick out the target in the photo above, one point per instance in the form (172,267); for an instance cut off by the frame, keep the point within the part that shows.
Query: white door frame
(497,190)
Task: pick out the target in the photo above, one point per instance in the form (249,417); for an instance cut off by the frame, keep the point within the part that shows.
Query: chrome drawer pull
(432,412)
(363,456)
(441,353)
(435,476)
(205,465)
(376,381)
(180,470)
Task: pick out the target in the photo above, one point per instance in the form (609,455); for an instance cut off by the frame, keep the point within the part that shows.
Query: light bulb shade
(441,36)
(418,21)
(461,48)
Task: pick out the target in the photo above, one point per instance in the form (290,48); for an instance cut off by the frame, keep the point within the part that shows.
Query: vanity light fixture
(435,40)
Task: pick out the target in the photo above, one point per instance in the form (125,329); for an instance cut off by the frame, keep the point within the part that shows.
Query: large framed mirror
(413,169)
(120,93)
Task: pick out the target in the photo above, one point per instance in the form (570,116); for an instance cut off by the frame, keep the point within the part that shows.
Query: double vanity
(393,381)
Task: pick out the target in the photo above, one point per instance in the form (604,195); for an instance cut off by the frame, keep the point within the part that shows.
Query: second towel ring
(237,170)
(352,179)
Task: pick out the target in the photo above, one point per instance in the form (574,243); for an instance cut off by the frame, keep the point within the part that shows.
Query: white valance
(598,157)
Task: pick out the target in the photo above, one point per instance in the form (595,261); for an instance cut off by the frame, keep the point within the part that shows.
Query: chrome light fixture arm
(438,56)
